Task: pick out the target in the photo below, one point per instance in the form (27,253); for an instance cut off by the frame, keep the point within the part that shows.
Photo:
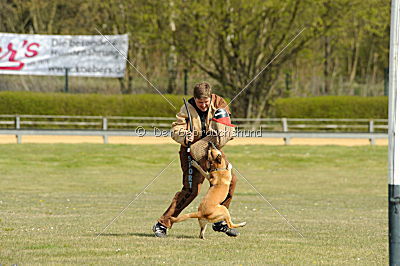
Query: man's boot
(223,227)
(160,230)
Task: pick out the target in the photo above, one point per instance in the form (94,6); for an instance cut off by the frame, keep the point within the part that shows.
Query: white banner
(83,55)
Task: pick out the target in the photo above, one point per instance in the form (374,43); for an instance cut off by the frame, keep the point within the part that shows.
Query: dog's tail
(184,217)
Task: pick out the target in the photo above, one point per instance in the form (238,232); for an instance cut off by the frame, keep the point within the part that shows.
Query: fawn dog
(210,209)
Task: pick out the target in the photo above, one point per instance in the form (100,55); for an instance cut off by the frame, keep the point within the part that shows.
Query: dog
(210,210)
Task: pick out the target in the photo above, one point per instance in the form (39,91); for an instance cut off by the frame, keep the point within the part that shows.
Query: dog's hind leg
(232,225)
(227,217)
(203,226)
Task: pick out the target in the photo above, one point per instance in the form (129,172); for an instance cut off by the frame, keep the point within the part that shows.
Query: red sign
(10,55)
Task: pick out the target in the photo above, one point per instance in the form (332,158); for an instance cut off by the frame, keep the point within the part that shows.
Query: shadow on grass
(151,235)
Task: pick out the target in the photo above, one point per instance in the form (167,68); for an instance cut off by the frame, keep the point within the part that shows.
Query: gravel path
(166,140)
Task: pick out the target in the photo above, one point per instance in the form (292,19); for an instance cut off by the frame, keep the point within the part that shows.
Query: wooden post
(18,126)
(285,129)
(105,127)
(371,130)
(185,81)
(66,86)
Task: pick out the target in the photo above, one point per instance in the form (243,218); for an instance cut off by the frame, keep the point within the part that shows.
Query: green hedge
(332,107)
(88,104)
(155,105)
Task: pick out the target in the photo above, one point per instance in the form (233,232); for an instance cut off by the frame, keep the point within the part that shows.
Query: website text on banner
(83,55)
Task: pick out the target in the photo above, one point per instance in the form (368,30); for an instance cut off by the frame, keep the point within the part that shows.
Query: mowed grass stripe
(55,198)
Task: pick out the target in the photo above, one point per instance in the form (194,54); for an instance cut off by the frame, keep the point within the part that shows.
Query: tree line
(266,49)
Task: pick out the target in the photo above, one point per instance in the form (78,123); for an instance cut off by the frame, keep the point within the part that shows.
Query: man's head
(202,95)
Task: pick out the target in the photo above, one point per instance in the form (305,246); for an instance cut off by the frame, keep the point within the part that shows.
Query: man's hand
(189,137)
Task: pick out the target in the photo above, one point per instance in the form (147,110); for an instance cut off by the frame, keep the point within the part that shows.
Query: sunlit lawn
(55,199)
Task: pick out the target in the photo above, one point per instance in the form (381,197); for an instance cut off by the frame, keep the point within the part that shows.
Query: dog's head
(214,158)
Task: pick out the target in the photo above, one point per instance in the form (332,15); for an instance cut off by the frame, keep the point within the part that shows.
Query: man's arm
(221,103)
(179,129)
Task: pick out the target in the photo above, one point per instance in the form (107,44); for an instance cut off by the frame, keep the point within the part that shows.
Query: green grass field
(55,199)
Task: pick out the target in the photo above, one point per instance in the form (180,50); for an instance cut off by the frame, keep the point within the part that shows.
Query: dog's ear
(219,158)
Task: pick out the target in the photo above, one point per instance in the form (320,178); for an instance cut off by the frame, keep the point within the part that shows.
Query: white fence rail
(286,128)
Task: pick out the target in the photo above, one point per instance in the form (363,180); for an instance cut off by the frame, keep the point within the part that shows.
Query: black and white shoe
(223,227)
(160,230)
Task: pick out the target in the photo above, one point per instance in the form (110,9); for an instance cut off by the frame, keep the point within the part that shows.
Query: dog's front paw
(195,164)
